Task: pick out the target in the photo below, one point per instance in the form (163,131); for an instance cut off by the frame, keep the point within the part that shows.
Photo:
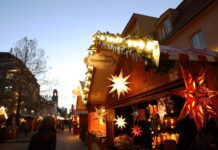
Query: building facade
(19,90)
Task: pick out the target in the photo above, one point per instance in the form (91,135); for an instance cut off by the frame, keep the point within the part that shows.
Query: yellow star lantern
(119,84)
(3,112)
(120,122)
(99,114)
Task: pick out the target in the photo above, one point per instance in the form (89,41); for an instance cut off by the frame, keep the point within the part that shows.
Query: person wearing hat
(45,138)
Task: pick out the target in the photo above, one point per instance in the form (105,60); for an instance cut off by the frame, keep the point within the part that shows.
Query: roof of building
(186,11)
(137,18)
(10,61)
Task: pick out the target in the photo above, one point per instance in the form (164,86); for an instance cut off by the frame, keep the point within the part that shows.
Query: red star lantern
(136,131)
(198,101)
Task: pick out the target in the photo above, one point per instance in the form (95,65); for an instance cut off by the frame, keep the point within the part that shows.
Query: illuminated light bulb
(93,39)
(112,40)
(149,45)
(141,44)
(156,53)
(135,44)
(119,40)
(129,43)
(102,38)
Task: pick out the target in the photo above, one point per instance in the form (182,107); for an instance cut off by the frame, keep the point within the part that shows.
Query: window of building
(9,76)
(168,25)
(197,40)
(8,88)
(164,28)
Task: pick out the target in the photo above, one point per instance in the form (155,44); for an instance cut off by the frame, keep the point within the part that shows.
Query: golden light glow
(149,45)
(99,114)
(120,122)
(145,47)
(3,112)
(119,84)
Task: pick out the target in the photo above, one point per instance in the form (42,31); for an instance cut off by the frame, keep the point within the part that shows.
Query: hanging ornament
(136,131)
(161,108)
(3,112)
(120,122)
(198,102)
(119,84)
(135,113)
(100,115)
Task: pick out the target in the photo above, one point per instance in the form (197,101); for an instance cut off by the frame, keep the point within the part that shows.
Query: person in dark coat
(45,138)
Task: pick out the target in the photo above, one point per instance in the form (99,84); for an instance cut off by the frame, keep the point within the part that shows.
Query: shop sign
(100,61)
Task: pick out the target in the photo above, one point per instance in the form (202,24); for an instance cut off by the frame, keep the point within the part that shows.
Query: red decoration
(197,96)
(136,131)
(135,113)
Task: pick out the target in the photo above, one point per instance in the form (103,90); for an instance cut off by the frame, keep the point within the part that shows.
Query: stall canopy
(181,54)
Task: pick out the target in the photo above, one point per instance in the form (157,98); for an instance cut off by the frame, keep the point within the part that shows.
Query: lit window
(9,75)
(8,88)
(197,41)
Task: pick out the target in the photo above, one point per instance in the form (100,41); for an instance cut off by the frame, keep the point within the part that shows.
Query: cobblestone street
(65,141)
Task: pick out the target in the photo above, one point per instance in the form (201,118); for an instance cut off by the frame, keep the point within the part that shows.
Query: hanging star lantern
(119,84)
(135,113)
(120,122)
(161,108)
(99,114)
(198,102)
(136,131)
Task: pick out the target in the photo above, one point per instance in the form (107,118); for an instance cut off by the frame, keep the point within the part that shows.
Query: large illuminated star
(136,131)
(119,84)
(120,122)
(197,95)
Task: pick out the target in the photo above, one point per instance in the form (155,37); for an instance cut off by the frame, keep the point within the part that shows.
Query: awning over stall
(181,54)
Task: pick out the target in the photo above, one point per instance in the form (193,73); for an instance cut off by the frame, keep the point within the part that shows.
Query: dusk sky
(64,29)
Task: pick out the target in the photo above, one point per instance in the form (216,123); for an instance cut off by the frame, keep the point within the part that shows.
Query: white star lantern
(119,84)
(120,122)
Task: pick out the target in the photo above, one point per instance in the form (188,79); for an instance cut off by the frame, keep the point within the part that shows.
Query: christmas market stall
(144,95)
(82,112)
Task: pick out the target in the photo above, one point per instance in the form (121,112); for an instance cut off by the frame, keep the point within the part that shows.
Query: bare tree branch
(35,60)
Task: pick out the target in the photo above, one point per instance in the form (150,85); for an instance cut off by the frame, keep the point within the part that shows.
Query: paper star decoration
(135,113)
(198,101)
(99,114)
(3,112)
(120,122)
(161,109)
(136,131)
(119,84)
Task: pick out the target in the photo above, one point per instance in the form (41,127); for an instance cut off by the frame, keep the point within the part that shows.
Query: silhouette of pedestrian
(26,128)
(45,138)
(70,125)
